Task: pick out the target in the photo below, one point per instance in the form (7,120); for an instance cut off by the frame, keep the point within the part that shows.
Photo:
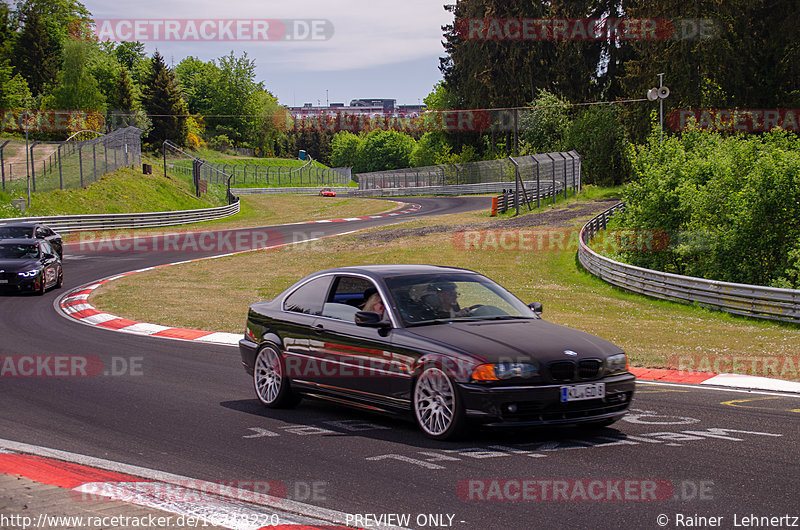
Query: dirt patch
(555,218)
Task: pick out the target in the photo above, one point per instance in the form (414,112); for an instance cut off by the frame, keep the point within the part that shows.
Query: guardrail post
(566,186)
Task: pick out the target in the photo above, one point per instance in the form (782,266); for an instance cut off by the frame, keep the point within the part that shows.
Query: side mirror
(47,256)
(370,319)
(537,307)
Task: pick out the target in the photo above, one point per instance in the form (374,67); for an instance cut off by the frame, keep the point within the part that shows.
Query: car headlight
(29,274)
(502,371)
(616,363)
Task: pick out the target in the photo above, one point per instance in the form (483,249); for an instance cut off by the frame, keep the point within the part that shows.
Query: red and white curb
(748,382)
(75,305)
(218,504)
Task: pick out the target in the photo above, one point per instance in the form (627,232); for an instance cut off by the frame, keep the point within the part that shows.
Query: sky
(379,48)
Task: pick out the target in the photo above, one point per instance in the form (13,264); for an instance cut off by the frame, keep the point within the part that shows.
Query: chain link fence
(259,175)
(563,167)
(67,165)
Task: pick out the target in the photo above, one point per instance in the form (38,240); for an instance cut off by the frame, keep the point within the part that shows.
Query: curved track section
(187,408)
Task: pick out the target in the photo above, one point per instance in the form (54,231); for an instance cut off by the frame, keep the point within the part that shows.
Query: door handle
(319,328)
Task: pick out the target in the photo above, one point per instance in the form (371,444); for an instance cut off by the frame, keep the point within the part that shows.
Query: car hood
(17,265)
(516,340)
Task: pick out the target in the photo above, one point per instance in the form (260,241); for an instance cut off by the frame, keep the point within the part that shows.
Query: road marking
(735,403)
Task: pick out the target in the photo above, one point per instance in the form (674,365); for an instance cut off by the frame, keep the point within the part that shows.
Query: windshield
(19,251)
(11,232)
(437,298)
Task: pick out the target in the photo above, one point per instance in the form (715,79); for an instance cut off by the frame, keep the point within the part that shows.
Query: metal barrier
(460,189)
(741,299)
(116,221)
(270,191)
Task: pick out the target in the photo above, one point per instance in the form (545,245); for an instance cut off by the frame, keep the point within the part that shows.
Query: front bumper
(541,405)
(14,282)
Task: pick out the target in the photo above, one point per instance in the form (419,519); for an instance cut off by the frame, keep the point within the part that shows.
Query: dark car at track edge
(29,265)
(445,345)
(29,230)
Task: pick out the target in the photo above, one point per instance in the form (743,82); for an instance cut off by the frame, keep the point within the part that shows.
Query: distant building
(360,107)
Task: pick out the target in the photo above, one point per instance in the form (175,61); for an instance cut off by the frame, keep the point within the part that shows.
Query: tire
(60,282)
(271,385)
(42,285)
(437,405)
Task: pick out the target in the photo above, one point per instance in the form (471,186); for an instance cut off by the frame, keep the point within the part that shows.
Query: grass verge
(655,333)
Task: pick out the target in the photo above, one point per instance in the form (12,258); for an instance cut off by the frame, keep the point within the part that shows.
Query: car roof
(19,225)
(20,241)
(400,269)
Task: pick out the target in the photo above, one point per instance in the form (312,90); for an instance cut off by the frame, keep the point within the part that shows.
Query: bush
(729,204)
(344,148)
(381,150)
(544,128)
(599,137)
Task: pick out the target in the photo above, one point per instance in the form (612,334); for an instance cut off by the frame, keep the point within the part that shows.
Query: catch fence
(560,167)
(67,165)
(259,175)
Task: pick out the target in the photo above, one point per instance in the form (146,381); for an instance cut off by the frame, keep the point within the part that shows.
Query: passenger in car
(374,303)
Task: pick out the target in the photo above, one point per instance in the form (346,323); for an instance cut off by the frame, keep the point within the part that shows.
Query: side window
(40,233)
(346,298)
(309,298)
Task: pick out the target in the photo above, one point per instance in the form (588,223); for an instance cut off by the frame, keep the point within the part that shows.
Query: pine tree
(163,102)
(36,51)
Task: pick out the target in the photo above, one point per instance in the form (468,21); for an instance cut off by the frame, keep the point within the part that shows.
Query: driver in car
(442,297)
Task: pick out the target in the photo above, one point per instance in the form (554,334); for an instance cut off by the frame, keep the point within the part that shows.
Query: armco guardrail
(75,223)
(455,189)
(273,191)
(741,299)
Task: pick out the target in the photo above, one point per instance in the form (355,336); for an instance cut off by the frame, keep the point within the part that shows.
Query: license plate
(3,281)
(582,392)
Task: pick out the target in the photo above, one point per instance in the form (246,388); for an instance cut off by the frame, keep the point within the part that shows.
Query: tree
(163,101)
(381,150)
(14,92)
(198,81)
(344,148)
(234,96)
(544,128)
(77,88)
(129,54)
(599,137)
(36,50)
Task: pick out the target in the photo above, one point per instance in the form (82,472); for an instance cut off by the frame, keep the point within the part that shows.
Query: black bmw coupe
(445,345)
(29,265)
